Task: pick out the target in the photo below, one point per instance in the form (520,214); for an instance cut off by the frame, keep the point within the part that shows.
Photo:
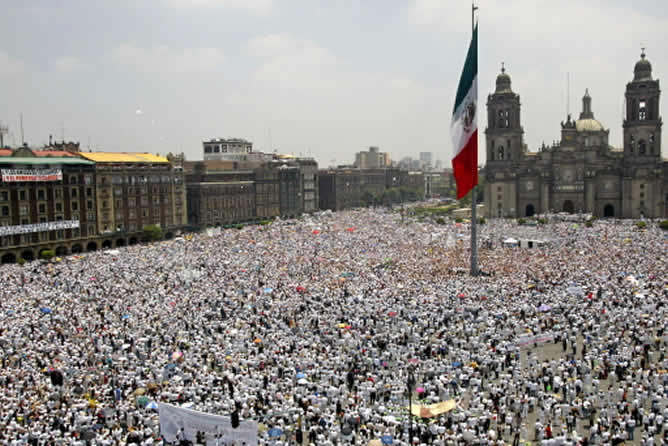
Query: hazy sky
(320,77)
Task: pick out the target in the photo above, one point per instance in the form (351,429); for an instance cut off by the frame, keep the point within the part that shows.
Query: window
(4,195)
(144,213)
(118,192)
(642,147)
(42,208)
(105,204)
(632,143)
(60,234)
(642,194)
(642,110)
(23,210)
(651,143)
(119,215)
(91,216)
(132,213)
(642,186)
(59,207)
(75,205)
(42,219)
(41,194)
(22,195)
(89,205)
(74,192)
(88,179)
(501,153)
(144,201)
(4,211)
(73,179)
(58,193)
(89,191)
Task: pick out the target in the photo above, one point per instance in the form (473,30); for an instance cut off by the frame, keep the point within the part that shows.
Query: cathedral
(581,173)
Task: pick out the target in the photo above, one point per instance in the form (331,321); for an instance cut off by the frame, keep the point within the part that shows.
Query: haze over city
(315,78)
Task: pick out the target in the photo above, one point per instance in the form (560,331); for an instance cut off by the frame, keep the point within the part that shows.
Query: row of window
(141,179)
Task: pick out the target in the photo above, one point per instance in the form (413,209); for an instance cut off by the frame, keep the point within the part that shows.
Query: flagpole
(474,192)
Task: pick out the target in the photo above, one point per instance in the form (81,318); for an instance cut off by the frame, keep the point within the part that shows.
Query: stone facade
(581,172)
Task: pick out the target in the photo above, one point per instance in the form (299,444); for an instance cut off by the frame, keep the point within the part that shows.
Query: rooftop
(44,160)
(123,157)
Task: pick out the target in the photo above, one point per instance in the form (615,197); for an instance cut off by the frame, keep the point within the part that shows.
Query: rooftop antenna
(568,94)
(22,135)
(3,131)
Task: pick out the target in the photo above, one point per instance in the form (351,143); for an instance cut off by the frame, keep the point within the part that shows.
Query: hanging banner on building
(38,227)
(31,175)
(177,423)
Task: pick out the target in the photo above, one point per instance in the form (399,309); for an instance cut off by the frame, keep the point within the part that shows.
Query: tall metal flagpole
(474,192)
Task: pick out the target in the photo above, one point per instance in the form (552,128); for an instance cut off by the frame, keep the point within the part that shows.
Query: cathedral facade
(581,172)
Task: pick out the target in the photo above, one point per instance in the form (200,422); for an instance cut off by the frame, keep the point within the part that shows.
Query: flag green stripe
(470,70)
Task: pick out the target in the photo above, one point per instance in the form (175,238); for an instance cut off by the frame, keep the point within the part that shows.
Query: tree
(368,198)
(152,233)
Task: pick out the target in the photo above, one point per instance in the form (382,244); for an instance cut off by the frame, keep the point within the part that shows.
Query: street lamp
(411,384)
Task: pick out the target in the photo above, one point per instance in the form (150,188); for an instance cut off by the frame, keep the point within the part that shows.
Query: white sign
(523,341)
(38,227)
(31,175)
(177,423)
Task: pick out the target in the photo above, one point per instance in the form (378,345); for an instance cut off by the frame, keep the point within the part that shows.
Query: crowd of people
(325,329)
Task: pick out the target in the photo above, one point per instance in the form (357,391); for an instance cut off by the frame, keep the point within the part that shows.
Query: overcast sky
(319,77)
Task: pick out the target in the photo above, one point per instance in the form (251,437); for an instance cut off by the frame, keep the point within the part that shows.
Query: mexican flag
(464,126)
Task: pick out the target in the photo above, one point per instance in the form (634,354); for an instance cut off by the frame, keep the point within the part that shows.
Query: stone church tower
(641,184)
(505,146)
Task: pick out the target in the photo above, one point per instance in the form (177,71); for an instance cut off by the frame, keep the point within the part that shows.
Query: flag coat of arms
(464,126)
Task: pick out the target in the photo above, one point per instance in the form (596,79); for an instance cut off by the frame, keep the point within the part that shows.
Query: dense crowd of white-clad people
(314,327)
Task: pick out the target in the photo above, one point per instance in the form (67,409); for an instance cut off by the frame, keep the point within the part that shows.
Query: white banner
(38,227)
(523,341)
(177,423)
(31,175)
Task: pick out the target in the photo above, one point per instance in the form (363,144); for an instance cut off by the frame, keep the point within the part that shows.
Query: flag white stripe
(460,136)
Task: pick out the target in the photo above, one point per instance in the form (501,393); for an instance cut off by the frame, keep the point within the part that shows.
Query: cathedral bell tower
(504,148)
(504,131)
(642,124)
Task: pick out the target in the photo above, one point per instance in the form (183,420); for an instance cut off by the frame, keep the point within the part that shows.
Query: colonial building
(346,188)
(219,196)
(47,202)
(135,190)
(226,192)
(581,172)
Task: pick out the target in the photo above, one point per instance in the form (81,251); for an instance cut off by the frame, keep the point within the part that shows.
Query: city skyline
(308,77)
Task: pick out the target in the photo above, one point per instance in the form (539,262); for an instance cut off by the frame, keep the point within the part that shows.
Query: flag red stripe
(465,166)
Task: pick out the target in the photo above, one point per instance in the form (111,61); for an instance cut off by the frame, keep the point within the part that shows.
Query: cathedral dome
(643,69)
(588,125)
(503,82)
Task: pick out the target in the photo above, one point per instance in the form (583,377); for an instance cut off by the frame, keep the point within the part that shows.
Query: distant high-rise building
(425,160)
(373,159)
